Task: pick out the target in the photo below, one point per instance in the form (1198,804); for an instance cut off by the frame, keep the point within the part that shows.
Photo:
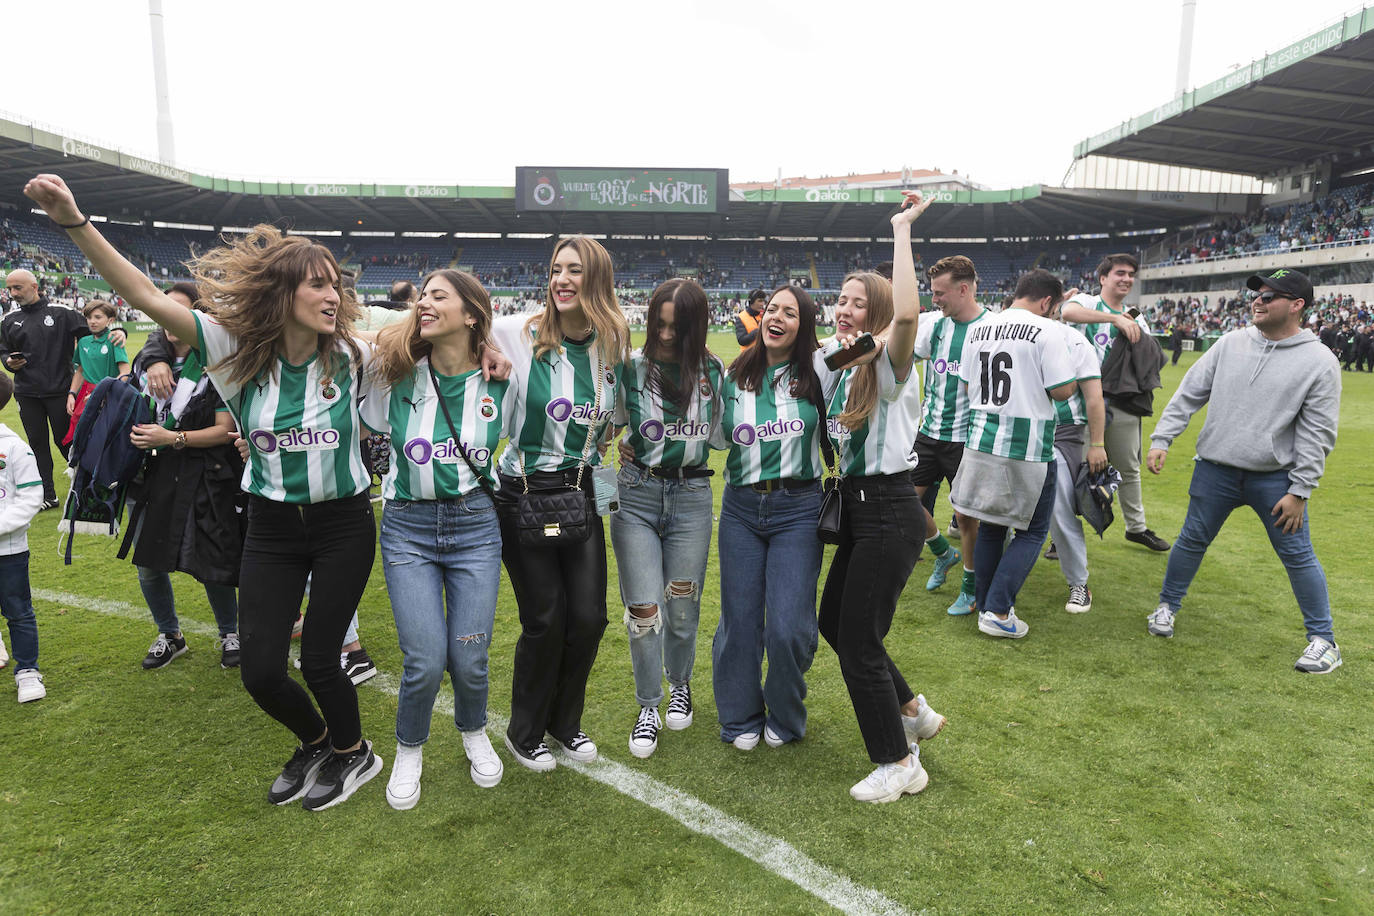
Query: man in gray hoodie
(1275,396)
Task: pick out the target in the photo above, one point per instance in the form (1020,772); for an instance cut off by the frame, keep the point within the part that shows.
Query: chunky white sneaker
(1080,600)
(1011,628)
(891,781)
(772,738)
(486,768)
(403,788)
(747,741)
(679,707)
(29,684)
(926,724)
(644,737)
(1321,657)
(1161,622)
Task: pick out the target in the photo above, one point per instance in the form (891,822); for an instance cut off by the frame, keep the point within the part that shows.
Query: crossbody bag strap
(591,432)
(457,440)
(827,448)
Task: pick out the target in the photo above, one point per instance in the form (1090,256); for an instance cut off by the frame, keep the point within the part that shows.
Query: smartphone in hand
(843,356)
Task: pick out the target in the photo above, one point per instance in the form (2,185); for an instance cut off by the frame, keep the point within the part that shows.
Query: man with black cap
(747,321)
(1275,395)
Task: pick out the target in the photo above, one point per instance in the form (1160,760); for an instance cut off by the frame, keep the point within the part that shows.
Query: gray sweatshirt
(1274,405)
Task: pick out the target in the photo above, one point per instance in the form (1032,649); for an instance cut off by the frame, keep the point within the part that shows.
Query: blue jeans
(661,536)
(770,559)
(157,591)
(1217,489)
(17,606)
(435,551)
(1001,570)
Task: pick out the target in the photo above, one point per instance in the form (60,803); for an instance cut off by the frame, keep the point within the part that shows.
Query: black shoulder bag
(828,523)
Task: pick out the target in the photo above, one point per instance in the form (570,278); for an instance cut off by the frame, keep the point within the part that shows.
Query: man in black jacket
(37,341)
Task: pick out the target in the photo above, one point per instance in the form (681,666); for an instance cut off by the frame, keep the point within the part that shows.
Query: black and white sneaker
(644,738)
(538,758)
(299,774)
(1080,600)
(165,648)
(579,747)
(357,665)
(679,707)
(229,650)
(341,776)
(48,504)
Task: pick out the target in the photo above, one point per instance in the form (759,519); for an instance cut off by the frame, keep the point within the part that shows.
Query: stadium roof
(1311,100)
(121,186)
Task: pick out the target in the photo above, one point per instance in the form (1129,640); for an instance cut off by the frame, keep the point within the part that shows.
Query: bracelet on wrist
(74,225)
(1099,445)
(73,394)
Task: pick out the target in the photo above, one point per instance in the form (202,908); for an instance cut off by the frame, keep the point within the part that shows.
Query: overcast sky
(461,93)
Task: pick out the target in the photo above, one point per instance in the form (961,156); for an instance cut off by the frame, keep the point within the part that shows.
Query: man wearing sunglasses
(1275,395)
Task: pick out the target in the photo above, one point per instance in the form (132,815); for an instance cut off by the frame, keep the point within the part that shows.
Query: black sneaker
(165,648)
(538,758)
(341,776)
(1052,552)
(679,707)
(229,650)
(357,665)
(48,504)
(579,747)
(299,773)
(1149,539)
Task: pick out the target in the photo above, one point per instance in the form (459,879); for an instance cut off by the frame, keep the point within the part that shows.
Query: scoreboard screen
(600,190)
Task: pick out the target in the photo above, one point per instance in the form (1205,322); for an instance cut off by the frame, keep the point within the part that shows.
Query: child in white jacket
(21,496)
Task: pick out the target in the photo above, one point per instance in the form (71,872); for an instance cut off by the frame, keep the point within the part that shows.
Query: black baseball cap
(1289,282)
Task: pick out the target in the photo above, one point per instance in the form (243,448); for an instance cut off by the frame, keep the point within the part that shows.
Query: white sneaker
(403,789)
(891,781)
(4,656)
(29,684)
(486,768)
(1161,622)
(772,738)
(1011,628)
(747,741)
(1321,657)
(926,724)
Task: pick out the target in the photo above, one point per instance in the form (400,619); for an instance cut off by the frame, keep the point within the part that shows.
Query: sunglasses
(1269,296)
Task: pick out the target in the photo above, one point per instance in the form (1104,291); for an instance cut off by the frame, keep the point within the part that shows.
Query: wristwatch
(179,442)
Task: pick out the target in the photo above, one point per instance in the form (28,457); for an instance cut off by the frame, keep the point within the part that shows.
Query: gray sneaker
(1321,657)
(1161,622)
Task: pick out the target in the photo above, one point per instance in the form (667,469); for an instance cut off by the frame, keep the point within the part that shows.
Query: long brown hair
(399,345)
(691,311)
(863,393)
(598,301)
(250,284)
(749,367)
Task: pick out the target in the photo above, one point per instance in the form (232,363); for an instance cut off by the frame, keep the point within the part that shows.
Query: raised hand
(52,194)
(914,203)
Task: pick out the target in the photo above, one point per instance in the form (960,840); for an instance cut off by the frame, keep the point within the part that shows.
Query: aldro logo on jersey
(560,410)
(294,440)
(945,366)
(746,434)
(421,451)
(837,430)
(680,430)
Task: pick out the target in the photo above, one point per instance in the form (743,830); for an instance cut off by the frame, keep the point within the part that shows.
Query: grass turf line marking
(776,855)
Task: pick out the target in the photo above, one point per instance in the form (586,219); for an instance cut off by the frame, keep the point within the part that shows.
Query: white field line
(776,855)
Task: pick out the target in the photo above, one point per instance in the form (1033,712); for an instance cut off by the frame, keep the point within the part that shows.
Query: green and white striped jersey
(302,426)
(769,433)
(883,445)
(558,400)
(658,435)
(1083,360)
(940,341)
(425,462)
(1102,334)
(1009,364)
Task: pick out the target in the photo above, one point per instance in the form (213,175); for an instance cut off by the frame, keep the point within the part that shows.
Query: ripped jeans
(434,550)
(661,536)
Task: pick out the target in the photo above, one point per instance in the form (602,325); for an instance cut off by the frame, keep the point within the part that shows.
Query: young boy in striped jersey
(1015,366)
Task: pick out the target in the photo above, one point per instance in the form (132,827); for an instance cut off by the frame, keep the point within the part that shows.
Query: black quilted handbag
(552,517)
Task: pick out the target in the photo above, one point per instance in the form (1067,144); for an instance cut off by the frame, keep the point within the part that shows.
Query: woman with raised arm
(565,366)
(441,542)
(279,351)
(662,533)
(872,420)
(770,556)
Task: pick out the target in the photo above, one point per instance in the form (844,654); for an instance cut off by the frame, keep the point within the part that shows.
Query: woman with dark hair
(565,366)
(872,418)
(280,351)
(662,533)
(770,556)
(441,542)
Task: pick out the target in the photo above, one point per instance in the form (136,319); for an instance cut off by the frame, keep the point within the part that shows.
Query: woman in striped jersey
(872,419)
(662,532)
(441,542)
(565,367)
(769,554)
(280,353)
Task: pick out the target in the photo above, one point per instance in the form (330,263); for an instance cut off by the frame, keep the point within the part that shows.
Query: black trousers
(37,415)
(335,541)
(881,532)
(561,595)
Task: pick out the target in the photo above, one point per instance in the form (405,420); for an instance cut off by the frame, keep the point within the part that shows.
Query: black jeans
(561,594)
(881,531)
(336,541)
(37,415)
